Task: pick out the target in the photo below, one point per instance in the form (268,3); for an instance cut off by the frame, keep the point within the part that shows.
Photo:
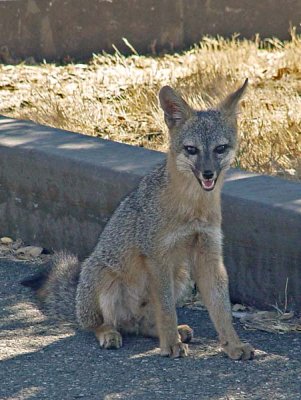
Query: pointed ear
(228,107)
(176,110)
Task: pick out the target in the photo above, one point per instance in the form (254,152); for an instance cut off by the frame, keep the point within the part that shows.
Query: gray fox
(166,230)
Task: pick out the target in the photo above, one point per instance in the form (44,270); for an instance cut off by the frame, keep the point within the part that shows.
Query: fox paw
(240,351)
(185,332)
(175,351)
(110,340)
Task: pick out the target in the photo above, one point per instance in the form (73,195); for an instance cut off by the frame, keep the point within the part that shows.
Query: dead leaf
(286,316)
(281,72)
(270,321)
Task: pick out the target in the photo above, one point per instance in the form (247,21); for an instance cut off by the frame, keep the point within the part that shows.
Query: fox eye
(221,149)
(191,150)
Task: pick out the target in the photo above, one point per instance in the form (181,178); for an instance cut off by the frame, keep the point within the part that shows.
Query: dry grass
(115,97)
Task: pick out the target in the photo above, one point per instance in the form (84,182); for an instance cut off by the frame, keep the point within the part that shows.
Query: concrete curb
(58,189)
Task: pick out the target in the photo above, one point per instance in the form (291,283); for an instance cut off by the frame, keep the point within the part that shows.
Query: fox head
(203,143)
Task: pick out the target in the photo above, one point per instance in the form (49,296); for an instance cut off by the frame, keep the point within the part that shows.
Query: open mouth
(207,184)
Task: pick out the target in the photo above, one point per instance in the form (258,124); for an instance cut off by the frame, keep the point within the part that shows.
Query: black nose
(208,174)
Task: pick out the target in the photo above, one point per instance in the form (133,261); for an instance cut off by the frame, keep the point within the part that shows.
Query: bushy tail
(56,287)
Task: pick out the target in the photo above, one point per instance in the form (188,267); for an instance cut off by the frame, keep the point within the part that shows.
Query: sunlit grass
(115,97)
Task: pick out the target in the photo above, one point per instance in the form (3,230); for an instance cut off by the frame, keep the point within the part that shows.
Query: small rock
(29,251)
(6,240)
(5,249)
(238,307)
(239,314)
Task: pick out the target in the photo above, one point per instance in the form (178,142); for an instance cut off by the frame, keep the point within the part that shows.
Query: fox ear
(228,107)
(176,110)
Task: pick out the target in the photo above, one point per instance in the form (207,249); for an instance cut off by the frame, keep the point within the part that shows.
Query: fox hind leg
(108,337)
(186,333)
(148,328)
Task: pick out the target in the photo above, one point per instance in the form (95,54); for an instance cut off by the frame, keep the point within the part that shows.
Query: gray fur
(132,226)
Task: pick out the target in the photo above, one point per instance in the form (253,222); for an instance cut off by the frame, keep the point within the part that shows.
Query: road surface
(40,360)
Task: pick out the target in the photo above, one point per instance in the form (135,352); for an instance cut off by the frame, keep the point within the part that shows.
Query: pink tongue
(208,183)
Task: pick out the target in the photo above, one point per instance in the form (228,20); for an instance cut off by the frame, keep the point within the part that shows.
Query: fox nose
(208,174)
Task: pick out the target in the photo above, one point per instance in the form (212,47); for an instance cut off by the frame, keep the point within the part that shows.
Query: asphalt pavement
(41,360)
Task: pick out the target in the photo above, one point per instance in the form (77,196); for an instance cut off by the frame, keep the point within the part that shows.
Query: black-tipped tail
(56,287)
(35,282)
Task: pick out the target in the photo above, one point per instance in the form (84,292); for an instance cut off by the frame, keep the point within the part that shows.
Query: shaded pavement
(40,360)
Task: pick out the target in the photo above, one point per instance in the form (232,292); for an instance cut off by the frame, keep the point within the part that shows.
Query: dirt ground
(40,360)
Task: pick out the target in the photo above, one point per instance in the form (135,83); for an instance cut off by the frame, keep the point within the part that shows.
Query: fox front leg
(211,278)
(162,291)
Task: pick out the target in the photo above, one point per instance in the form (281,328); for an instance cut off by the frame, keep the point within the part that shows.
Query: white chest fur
(192,228)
